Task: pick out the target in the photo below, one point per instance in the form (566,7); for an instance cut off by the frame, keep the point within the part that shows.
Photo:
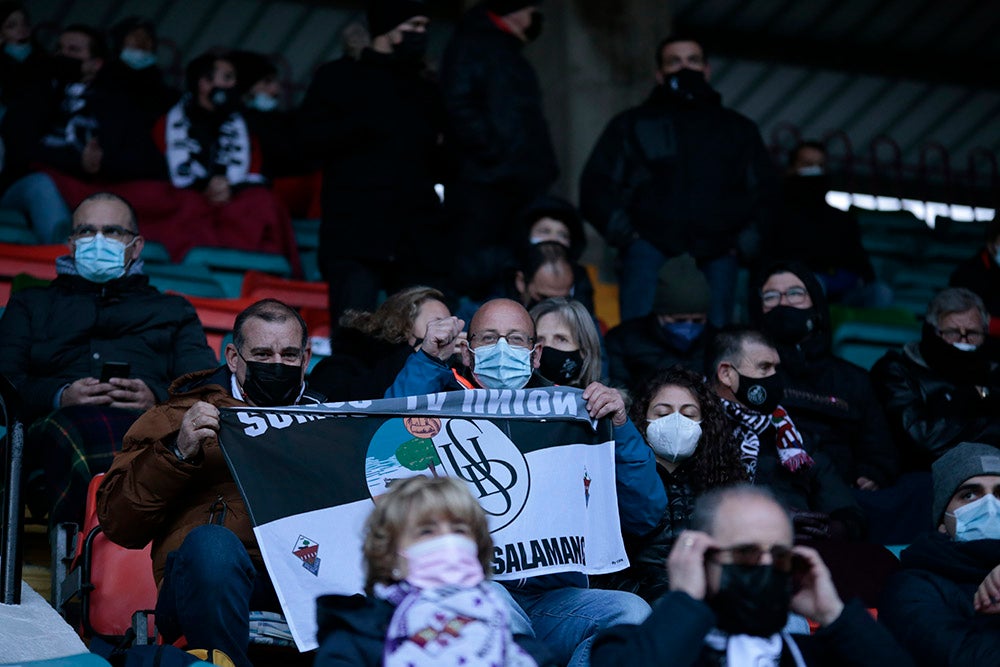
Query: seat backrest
(121,579)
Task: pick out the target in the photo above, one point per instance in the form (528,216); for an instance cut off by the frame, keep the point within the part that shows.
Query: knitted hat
(503,7)
(960,463)
(681,288)
(384,15)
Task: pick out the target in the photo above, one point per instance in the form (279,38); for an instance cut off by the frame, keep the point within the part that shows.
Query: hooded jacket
(686,175)
(928,604)
(149,495)
(831,400)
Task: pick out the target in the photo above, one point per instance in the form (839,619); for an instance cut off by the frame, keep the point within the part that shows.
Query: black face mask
(268,384)
(761,394)
(687,84)
(788,324)
(957,365)
(412,48)
(224,100)
(67,70)
(534,29)
(560,367)
(752,600)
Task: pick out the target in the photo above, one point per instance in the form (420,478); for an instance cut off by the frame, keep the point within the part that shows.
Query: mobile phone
(115,369)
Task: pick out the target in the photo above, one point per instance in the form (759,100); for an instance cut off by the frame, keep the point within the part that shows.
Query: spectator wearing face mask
(943,389)
(944,605)
(571,345)
(674,333)
(23,65)
(134,69)
(502,354)
(695,451)
(827,240)
(833,401)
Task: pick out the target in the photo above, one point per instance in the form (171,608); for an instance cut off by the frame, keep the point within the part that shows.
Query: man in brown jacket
(170,485)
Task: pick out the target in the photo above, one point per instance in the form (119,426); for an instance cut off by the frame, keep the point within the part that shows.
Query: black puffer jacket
(930,412)
(831,400)
(359,367)
(494,104)
(928,604)
(686,176)
(55,335)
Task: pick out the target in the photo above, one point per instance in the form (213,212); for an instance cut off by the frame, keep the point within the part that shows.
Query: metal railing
(13,513)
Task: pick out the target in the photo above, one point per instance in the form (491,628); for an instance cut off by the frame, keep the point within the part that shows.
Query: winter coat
(674,632)
(686,176)
(930,413)
(831,400)
(351,632)
(928,604)
(360,366)
(377,124)
(638,348)
(149,495)
(494,104)
(55,335)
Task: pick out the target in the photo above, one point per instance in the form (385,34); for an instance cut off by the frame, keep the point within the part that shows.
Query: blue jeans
(721,273)
(640,263)
(37,197)
(209,587)
(567,619)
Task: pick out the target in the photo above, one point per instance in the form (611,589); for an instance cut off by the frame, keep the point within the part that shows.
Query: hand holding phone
(115,369)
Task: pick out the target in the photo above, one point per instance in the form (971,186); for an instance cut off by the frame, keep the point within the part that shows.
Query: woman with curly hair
(369,349)
(695,449)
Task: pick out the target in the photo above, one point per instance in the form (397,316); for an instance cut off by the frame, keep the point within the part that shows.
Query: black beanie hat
(384,15)
(503,7)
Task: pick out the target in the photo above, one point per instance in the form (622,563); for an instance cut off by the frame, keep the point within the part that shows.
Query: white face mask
(979,520)
(674,437)
(965,347)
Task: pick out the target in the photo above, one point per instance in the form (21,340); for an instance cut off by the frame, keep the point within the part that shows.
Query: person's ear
(138,243)
(536,356)
(468,356)
(232,357)
(306,356)
(728,376)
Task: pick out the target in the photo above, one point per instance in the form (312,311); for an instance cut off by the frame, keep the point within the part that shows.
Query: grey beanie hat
(962,462)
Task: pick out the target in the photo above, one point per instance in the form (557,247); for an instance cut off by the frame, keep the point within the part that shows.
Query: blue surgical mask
(100,259)
(18,52)
(979,520)
(682,335)
(501,366)
(263,102)
(137,58)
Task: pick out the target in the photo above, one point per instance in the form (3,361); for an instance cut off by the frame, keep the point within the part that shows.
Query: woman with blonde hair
(368,349)
(427,550)
(571,346)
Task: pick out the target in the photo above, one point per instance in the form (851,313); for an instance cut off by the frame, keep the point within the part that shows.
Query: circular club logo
(475,451)
(757,394)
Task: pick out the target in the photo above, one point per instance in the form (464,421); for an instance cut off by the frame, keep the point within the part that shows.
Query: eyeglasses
(515,338)
(782,557)
(796,296)
(971,336)
(113,232)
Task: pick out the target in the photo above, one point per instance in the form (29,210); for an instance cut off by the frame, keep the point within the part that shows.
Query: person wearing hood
(943,389)
(824,238)
(675,332)
(832,399)
(944,604)
(377,123)
(57,340)
(170,485)
(680,173)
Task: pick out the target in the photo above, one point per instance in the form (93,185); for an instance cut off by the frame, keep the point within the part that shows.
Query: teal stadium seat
(228,265)
(864,343)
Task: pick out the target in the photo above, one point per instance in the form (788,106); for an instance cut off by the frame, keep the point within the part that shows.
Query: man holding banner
(501,356)
(170,485)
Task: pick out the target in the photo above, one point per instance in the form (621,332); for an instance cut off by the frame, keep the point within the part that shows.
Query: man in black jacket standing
(679,173)
(944,606)
(58,341)
(377,123)
(497,126)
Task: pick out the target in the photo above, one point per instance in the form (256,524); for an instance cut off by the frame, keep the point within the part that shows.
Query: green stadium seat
(188,280)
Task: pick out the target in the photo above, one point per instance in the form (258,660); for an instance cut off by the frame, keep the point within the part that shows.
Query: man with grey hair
(944,605)
(943,389)
(733,579)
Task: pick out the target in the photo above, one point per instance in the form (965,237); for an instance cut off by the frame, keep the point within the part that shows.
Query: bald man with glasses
(90,352)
